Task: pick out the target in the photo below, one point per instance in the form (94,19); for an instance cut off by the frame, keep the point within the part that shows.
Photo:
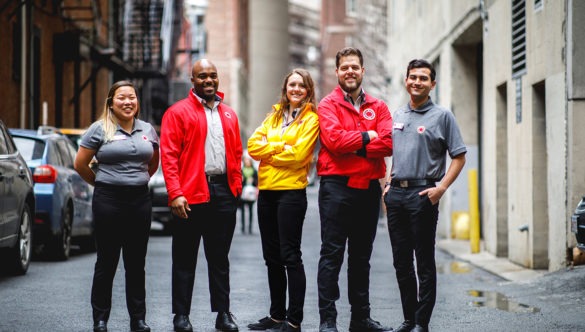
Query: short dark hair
(421,63)
(347,51)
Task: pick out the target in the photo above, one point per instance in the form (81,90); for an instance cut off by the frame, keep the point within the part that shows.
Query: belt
(411,183)
(216,178)
(337,178)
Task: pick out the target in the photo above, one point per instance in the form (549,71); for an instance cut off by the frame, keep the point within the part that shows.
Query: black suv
(17,206)
(578,224)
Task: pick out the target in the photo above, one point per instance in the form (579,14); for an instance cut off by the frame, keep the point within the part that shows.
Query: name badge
(119,137)
(398,125)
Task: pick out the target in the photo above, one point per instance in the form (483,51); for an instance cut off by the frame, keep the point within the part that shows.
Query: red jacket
(182,143)
(342,132)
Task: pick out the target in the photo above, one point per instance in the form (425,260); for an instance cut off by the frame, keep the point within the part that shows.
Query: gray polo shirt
(124,160)
(421,139)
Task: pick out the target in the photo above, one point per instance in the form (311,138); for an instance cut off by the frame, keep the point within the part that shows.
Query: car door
(5,173)
(11,176)
(80,191)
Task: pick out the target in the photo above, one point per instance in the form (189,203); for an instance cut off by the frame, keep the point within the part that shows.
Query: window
(537,5)
(4,148)
(65,153)
(30,149)
(16,49)
(518,37)
(351,7)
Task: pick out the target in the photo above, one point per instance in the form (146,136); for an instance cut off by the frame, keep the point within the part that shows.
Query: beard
(351,87)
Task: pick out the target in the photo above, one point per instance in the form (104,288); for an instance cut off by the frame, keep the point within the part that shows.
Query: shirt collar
(422,108)
(136,126)
(201,100)
(360,99)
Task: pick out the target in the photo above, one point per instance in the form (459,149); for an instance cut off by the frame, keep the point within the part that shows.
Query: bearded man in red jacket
(356,135)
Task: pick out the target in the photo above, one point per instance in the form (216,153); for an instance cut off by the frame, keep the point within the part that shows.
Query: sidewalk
(499,266)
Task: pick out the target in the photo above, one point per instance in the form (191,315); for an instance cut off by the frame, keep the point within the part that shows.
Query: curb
(496,265)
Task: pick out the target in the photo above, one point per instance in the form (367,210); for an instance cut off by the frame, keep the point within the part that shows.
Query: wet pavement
(472,296)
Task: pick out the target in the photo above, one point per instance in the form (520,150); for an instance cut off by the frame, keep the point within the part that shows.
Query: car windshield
(29,148)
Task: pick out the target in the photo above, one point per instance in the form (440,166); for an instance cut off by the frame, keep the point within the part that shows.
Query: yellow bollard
(460,225)
(473,211)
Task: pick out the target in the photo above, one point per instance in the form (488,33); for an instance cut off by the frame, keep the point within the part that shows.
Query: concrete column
(269,56)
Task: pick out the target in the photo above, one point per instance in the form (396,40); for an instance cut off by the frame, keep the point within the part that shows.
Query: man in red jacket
(201,159)
(356,135)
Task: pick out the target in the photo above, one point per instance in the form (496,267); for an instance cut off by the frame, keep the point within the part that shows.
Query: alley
(54,296)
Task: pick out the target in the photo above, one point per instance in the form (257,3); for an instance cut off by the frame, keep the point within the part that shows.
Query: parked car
(161,212)
(17,205)
(63,198)
(578,224)
(74,134)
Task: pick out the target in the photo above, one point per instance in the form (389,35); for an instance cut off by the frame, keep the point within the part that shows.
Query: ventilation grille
(518,37)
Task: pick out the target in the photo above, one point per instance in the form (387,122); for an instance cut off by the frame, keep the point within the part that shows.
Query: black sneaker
(328,326)
(264,324)
(367,325)
(285,327)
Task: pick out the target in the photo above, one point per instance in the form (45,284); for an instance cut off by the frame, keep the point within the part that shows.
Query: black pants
(215,222)
(122,216)
(281,214)
(412,224)
(347,216)
(250,207)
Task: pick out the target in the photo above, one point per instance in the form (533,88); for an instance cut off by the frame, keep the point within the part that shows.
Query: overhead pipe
(23,62)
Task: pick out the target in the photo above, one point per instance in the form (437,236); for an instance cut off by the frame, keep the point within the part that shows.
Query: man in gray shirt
(423,133)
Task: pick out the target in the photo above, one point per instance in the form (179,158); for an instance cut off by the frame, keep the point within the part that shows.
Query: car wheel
(19,256)
(62,242)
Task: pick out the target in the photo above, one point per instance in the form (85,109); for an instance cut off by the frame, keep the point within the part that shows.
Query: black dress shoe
(100,326)
(420,328)
(328,326)
(182,323)
(367,325)
(139,325)
(406,326)
(264,324)
(225,322)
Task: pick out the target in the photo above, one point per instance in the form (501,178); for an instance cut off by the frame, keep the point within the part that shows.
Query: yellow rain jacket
(280,168)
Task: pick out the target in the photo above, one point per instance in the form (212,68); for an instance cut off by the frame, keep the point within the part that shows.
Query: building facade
(62,57)
(509,72)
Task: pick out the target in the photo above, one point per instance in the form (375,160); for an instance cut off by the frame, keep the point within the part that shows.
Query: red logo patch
(421,129)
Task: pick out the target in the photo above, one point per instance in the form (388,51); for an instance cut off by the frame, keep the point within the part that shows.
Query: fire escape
(93,42)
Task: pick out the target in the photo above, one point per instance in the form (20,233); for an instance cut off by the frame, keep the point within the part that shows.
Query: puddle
(499,301)
(454,268)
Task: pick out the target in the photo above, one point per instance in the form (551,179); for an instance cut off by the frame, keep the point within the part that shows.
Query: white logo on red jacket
(227,115)
(369,114)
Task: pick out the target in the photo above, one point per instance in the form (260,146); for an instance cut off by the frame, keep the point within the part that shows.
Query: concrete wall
(451,37)
(531,173)
(269,57)
(534,163)
(575,107)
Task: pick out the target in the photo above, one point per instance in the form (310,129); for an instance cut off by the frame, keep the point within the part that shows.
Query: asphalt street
(54,296)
